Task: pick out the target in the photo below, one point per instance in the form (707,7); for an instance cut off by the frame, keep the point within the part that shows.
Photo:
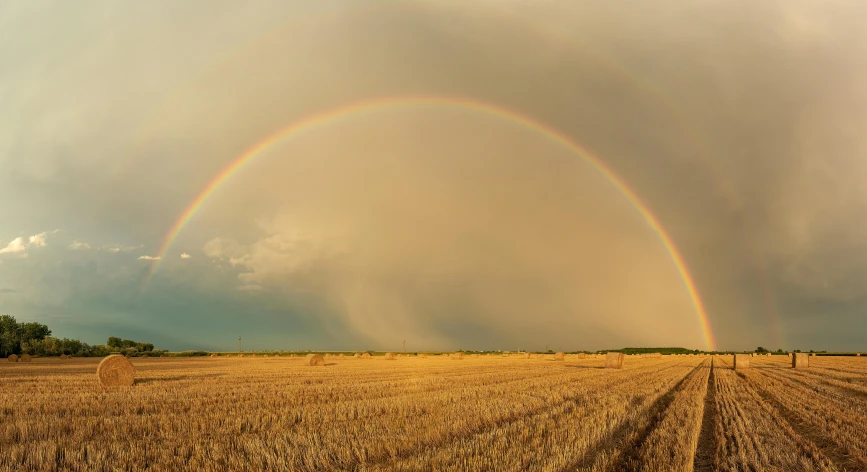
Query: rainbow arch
(324,117)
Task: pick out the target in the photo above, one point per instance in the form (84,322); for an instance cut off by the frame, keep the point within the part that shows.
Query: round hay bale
(115,371)
(314,360)
(458,355)
(213,355)
(389,356)
(25,358)
(357,355)
(560,356)
(341,356)
(145,356)
(240,355)
(366,355)
(12,358)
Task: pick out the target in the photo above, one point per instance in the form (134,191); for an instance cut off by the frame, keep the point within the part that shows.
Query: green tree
(114,342)
(761,350)
(10,338)
(33,331)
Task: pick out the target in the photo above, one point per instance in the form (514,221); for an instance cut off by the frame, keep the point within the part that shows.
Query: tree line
(35,339)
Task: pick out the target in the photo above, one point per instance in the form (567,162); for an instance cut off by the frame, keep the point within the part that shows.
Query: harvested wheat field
(485,413)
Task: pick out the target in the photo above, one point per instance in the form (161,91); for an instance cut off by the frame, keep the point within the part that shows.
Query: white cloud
(243,260)
(185,256)
(38,239)
(79,245)
(149,258)
(17,245)
(214,248)
(121,248)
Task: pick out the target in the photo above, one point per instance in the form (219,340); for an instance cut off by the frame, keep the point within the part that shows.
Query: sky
(475,202)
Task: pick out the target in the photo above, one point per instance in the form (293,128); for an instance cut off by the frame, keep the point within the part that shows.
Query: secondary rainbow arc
(324,117)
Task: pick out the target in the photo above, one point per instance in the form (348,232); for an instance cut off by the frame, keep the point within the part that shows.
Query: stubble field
(437,414)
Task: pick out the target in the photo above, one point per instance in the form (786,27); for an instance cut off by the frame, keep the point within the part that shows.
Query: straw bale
(614,360)
(115,371)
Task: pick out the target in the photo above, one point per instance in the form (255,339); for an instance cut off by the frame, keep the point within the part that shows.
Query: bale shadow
(176,378)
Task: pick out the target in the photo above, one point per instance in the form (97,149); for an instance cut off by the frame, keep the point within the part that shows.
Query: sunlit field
(437,413)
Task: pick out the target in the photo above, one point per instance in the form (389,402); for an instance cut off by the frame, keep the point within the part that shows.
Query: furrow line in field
(456,447)
(708,443)
(618,450)
(834,437)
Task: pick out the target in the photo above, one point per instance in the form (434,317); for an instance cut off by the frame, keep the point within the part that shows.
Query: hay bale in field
(314,360)
(560,356)
(240,355)
(458,355)
(341,356)
(389,356)
(145,356)
(813,355)
(741,361)
(857,354)
(213,355)
(614,360)
(357,355)
(800,360)
(12,358)
(115,371)
(768,354)
(25,358)
(366,355)
(527,355)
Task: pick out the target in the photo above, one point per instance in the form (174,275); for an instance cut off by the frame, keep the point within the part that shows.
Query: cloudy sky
(738,125)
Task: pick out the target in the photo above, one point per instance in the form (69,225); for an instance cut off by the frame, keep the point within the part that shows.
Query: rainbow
(323,118)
